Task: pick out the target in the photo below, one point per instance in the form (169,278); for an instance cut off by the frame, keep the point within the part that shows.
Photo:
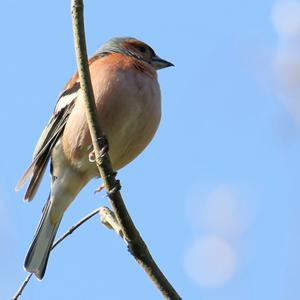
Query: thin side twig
(136,245)
(22,287)
(74,227)
(68,232)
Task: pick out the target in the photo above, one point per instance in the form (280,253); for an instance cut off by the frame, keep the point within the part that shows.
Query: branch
(136,245)
(69,232)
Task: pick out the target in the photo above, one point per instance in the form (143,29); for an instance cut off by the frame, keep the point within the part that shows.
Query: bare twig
(136,245)
(22,287)
(69,232)
(74,227)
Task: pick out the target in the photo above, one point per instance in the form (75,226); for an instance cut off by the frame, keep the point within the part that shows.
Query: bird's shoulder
(69,93)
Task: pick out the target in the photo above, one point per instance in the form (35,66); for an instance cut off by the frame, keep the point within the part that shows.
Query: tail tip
(39,274)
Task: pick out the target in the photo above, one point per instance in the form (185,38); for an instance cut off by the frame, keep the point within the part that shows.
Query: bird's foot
(99,189)
(92,156)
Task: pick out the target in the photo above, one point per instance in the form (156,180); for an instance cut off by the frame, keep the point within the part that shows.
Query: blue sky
(215,195)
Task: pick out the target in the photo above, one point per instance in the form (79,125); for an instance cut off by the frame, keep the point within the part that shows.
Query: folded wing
(47,141)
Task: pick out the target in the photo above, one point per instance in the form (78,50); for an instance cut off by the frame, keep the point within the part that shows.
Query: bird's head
(135,48)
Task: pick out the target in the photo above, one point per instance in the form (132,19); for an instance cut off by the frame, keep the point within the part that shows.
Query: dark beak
(159,63)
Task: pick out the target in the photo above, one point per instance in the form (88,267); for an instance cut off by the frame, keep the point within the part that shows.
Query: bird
(128,104)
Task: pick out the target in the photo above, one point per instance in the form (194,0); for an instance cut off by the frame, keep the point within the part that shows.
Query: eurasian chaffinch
(128,101)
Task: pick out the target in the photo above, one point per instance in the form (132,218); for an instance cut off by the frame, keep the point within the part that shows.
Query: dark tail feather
(37,257)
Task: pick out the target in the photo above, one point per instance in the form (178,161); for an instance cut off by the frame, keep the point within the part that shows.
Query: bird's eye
(142,49)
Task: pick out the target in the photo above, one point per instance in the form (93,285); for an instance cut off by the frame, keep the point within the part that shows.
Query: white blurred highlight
(286,59)
(210,261)
(219,217)
(286,18)
(222,211)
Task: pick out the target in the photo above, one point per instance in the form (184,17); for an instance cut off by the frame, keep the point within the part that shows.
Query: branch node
(109,220)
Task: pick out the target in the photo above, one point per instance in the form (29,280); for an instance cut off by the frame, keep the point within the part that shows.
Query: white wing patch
(64,101)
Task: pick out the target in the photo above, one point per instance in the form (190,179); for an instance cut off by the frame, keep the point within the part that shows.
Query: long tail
(37,257)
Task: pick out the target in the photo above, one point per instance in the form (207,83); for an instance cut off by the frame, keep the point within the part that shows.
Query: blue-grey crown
(114,45)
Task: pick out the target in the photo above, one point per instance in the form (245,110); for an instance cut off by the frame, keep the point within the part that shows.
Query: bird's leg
(92,159)
(99,189)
